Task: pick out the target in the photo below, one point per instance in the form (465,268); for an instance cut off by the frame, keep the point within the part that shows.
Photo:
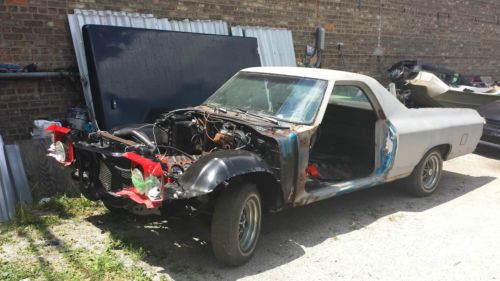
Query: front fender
(215,168)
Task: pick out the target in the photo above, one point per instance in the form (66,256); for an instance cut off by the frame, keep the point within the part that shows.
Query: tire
(426,176)
(234,232)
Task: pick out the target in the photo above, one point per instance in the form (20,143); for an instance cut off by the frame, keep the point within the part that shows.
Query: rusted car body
(270,138)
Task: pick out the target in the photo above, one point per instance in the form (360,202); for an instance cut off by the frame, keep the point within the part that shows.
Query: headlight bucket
(61,148)
(147,179)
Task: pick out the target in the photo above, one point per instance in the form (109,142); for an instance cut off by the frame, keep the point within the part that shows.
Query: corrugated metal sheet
(83,17)
(275,44)
(7,196)
(18,174)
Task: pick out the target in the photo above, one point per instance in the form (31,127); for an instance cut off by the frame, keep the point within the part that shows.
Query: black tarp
(136,74)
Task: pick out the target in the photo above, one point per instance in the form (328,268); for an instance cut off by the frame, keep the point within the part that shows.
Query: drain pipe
(320,45)
(37,75)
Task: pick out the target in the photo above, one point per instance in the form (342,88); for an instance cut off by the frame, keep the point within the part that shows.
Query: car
(491,130)
(270,138)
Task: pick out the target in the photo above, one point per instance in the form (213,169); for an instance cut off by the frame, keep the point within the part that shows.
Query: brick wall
(462,35)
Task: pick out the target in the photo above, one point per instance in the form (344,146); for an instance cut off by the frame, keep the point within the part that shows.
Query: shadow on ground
(181,247)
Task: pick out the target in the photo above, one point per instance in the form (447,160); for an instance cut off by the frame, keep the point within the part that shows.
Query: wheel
(426,176)
(236,224)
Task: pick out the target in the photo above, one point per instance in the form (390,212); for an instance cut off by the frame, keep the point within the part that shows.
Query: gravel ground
(376,234)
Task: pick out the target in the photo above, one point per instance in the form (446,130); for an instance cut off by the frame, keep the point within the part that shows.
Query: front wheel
(236,224)
(426,176)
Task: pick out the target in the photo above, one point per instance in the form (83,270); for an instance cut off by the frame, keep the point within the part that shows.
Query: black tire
(232,245)
(425,179)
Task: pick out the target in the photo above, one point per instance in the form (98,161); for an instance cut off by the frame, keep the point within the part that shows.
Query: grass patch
(27,219)
(68,207)
(78,263)
(128,245)
(51,212)
(65,262)
(103,266)
(18,271)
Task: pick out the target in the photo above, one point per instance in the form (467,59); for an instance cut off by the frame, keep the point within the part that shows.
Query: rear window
(350,96)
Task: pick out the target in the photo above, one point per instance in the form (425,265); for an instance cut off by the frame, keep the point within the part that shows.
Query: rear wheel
(426,176)
(236,224)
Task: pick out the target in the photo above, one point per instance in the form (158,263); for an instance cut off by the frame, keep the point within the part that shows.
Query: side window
(351,96)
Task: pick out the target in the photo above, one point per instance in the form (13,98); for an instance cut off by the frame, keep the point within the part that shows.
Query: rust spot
(303,142)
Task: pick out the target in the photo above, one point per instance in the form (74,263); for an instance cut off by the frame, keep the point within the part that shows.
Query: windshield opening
(287,98)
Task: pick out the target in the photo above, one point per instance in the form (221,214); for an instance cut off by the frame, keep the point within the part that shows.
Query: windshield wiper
(215,108)
(270,119)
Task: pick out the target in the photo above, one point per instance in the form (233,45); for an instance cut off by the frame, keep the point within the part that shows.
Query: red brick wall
(462,35)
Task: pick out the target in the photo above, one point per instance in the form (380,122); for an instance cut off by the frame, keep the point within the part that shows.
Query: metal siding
(83,17)
(7,197)
(18,174)
(275,44)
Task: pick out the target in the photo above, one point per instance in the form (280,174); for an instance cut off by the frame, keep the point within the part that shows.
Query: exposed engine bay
(144,162)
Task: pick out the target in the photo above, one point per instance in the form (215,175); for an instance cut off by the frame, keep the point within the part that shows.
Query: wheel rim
(430,173)
(248,224)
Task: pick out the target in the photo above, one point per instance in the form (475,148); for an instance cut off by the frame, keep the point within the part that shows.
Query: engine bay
(161,152)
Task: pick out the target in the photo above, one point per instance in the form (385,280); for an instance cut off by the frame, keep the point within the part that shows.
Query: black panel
(136,74)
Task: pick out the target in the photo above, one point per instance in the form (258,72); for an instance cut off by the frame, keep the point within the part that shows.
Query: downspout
(37,75)
(320,45)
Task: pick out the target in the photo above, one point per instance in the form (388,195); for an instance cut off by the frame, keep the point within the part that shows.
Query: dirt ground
(376,234)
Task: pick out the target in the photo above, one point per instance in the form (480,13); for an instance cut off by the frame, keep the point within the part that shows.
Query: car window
(287,98)
(351,96)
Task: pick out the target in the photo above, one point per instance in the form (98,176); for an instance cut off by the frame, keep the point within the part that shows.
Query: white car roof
(316,73)
(389,103)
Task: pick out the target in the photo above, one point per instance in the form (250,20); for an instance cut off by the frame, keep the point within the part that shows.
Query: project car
(268,139)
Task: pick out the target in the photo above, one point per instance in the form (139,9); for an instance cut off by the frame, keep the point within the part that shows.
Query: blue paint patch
(387,157)
(287,145)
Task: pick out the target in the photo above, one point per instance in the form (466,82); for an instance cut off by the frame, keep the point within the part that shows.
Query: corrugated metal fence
(275,44)
(13,182)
